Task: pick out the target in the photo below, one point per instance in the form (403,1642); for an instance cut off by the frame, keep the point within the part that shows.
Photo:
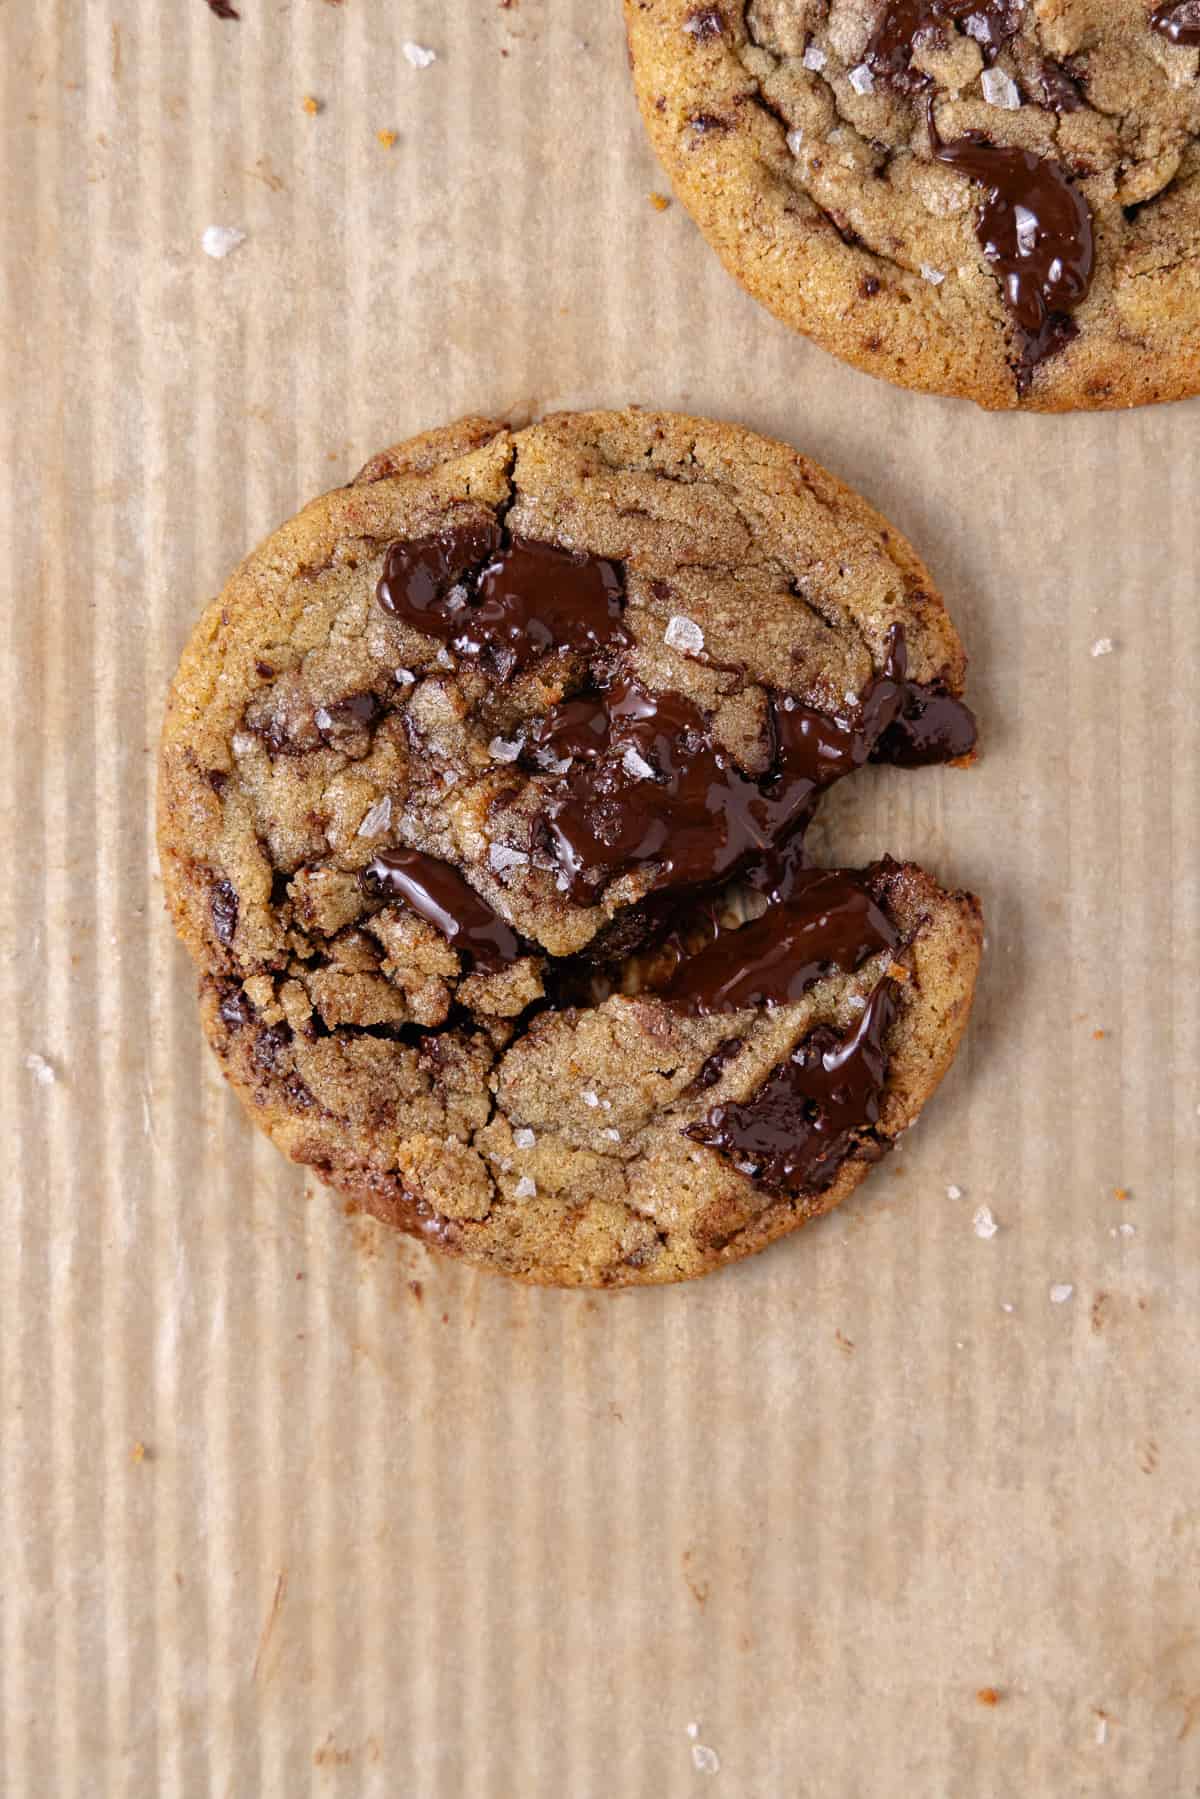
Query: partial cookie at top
(999,201)
(482,801)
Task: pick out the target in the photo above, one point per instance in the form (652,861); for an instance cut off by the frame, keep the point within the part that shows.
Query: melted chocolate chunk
(358,712)
(714,1066)
(651,785)
(889,53)
(436,891)
(1180,22)
(235,1009)
(1060,90)
(812,1112)
(224,907)
(828,921)
(503,606)
(1035,228)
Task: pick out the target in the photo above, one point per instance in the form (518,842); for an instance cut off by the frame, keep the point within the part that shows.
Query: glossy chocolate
(648,784)
(437,892)
(828,921)
(224,908)
(1035,228)
(505,606)
(889,52)
(1179,22)
(812,1112)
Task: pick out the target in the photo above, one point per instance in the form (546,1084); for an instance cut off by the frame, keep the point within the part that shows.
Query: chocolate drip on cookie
(1178,21)
(437,892)
(1035,228)
(814,1111)
(507,605)
(889,53)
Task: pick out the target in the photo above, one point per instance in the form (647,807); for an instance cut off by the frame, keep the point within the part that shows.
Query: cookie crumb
(988,1696)
(139,1452)
(683,634)
(311,105)
(1099,1035)
(984,1222)
(1120,1192)
(219,240)
(896,971)
(1103,646)
(953,1192)
(660,202)
(417,55)
(42,1071)
(1060,1292)
(525,1188)
(223,9)
(1000,90)
(387,139)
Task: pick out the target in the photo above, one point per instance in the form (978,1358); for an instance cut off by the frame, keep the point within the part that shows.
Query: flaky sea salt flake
(418,55)
(524,1138)
(1001,90)
(42,1071)
(505,749)
(526,1188)
(613,1136)
(795,141)
(862,80)
(684,634)
(219,240)
(636,766)
(934,276)
(985,1224)
(501,858)
(814,58)
(589,1098)
(1060,1292)
(378,818)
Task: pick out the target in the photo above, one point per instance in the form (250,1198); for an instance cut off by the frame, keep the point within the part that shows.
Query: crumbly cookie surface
(998,199)
(482,797)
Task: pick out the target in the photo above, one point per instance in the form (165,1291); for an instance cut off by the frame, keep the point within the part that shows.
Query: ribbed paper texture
(288,1506)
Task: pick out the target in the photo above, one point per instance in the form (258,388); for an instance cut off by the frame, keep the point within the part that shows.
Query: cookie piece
(998,199)
(482,800)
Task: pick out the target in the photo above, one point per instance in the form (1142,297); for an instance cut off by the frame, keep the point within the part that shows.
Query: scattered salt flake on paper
(1007,1306)
(985,1224)
(41,1070)
(693,1731)
(1101,1728)
(1122,1230)
(590,1098)
(1103,646)
(705,1760)
(418,55)
(1060,1292)
(525,1188)
(378,818)
(862,80)
(795,141)
(636,765)
(524,1138)
(932,275)
(953,1192)
(814,57)
(1000,89)
(684,634)
(219,240)
(504,749)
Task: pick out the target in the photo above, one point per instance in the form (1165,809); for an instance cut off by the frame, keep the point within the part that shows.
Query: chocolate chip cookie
(482,804)
(992,198)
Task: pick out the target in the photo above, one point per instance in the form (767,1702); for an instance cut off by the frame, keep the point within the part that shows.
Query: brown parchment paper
(289,1506)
